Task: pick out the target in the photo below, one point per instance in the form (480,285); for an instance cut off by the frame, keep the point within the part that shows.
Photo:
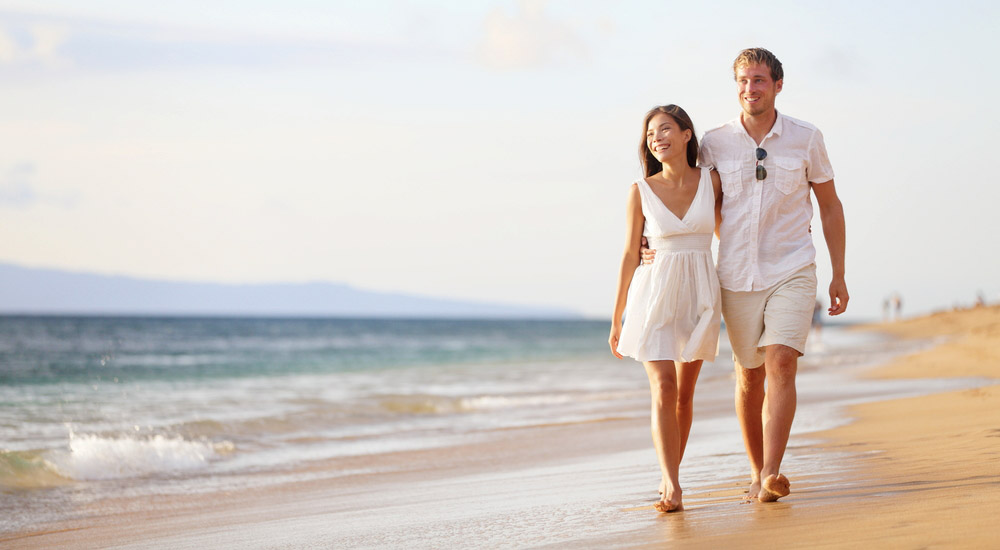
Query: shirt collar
(776,129)
(778,125)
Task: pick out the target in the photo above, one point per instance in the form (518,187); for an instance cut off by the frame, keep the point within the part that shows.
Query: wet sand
(923,472)
(914,472)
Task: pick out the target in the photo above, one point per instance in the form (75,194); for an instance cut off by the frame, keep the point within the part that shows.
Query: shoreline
(916,471)
(922,472)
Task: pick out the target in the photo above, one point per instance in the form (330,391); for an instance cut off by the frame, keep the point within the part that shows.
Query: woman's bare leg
(666,435)
(687,377)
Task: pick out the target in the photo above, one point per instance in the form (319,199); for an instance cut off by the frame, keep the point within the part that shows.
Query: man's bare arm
(645,253)
(831,213)
(717,187)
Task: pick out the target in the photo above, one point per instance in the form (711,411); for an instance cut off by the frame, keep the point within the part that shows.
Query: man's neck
(758,125)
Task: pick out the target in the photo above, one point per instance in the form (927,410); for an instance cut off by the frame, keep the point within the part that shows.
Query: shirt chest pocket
(731,174)
(790,174)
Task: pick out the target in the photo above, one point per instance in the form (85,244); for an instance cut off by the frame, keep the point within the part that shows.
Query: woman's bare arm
(630,260)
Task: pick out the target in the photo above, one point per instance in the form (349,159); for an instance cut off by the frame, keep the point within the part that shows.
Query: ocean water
(97,407)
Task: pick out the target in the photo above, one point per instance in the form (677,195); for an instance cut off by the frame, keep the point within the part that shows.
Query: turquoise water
(91,406)
(95,407)
(98,349)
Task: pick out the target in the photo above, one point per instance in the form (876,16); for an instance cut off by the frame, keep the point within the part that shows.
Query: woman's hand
(616,332)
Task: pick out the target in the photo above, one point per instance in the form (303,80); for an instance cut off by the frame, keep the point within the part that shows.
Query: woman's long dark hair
(649,163)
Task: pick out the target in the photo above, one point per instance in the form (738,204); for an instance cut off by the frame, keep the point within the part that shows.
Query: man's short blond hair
(759,56)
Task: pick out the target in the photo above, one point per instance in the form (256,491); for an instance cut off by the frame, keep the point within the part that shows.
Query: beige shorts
(781,314)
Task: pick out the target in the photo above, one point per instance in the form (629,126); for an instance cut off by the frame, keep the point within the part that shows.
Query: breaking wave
(95,457)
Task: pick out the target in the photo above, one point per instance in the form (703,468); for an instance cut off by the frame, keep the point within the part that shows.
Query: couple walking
(753,190)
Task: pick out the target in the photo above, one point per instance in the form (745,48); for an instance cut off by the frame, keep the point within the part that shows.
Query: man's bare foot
(773,488)
(753,491)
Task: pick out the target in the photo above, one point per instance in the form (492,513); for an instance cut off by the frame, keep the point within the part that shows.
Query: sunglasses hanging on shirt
(761,171)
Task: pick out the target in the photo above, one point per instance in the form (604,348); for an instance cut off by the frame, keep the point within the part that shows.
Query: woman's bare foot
(666,506)
(669,502)
(774,487)
(753,491)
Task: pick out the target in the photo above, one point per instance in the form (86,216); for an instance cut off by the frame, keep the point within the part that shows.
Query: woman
(671,307)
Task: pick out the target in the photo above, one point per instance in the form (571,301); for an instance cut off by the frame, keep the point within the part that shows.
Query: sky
(474,150)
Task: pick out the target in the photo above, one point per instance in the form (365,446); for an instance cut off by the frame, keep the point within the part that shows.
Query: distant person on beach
(671,309)
(768,163)
(892,307)
(817,322)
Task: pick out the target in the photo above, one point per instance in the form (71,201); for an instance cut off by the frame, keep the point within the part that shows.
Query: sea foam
(93,457)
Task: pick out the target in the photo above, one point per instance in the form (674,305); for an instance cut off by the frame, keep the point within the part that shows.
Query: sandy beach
(920,472)
(925,471)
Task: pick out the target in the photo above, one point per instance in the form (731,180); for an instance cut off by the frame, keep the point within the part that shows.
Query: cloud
(48,39)
(85,44)
(40,43)
(528,39)
(8,48)
(18,189)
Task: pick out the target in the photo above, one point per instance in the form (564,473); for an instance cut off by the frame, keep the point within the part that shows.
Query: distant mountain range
(26,290)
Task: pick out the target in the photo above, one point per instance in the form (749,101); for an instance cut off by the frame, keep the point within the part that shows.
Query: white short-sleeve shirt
(764,236)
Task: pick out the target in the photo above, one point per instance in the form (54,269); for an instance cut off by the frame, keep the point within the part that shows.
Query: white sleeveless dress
(674,304)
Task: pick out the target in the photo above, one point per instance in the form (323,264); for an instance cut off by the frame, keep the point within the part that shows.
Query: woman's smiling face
(664,137)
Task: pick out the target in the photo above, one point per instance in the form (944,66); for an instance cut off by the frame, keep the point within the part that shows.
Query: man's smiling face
(757,89)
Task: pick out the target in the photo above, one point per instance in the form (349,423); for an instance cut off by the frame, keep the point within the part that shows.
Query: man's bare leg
(781,364)
(666,437)
(749,406)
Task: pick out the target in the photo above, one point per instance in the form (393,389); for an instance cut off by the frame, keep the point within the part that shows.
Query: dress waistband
(689,241)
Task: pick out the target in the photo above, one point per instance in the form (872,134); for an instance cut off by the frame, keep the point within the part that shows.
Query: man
(768,163)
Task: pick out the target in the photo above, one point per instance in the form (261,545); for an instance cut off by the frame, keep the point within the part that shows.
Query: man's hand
(831,212)
(838,297)
(646,254)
